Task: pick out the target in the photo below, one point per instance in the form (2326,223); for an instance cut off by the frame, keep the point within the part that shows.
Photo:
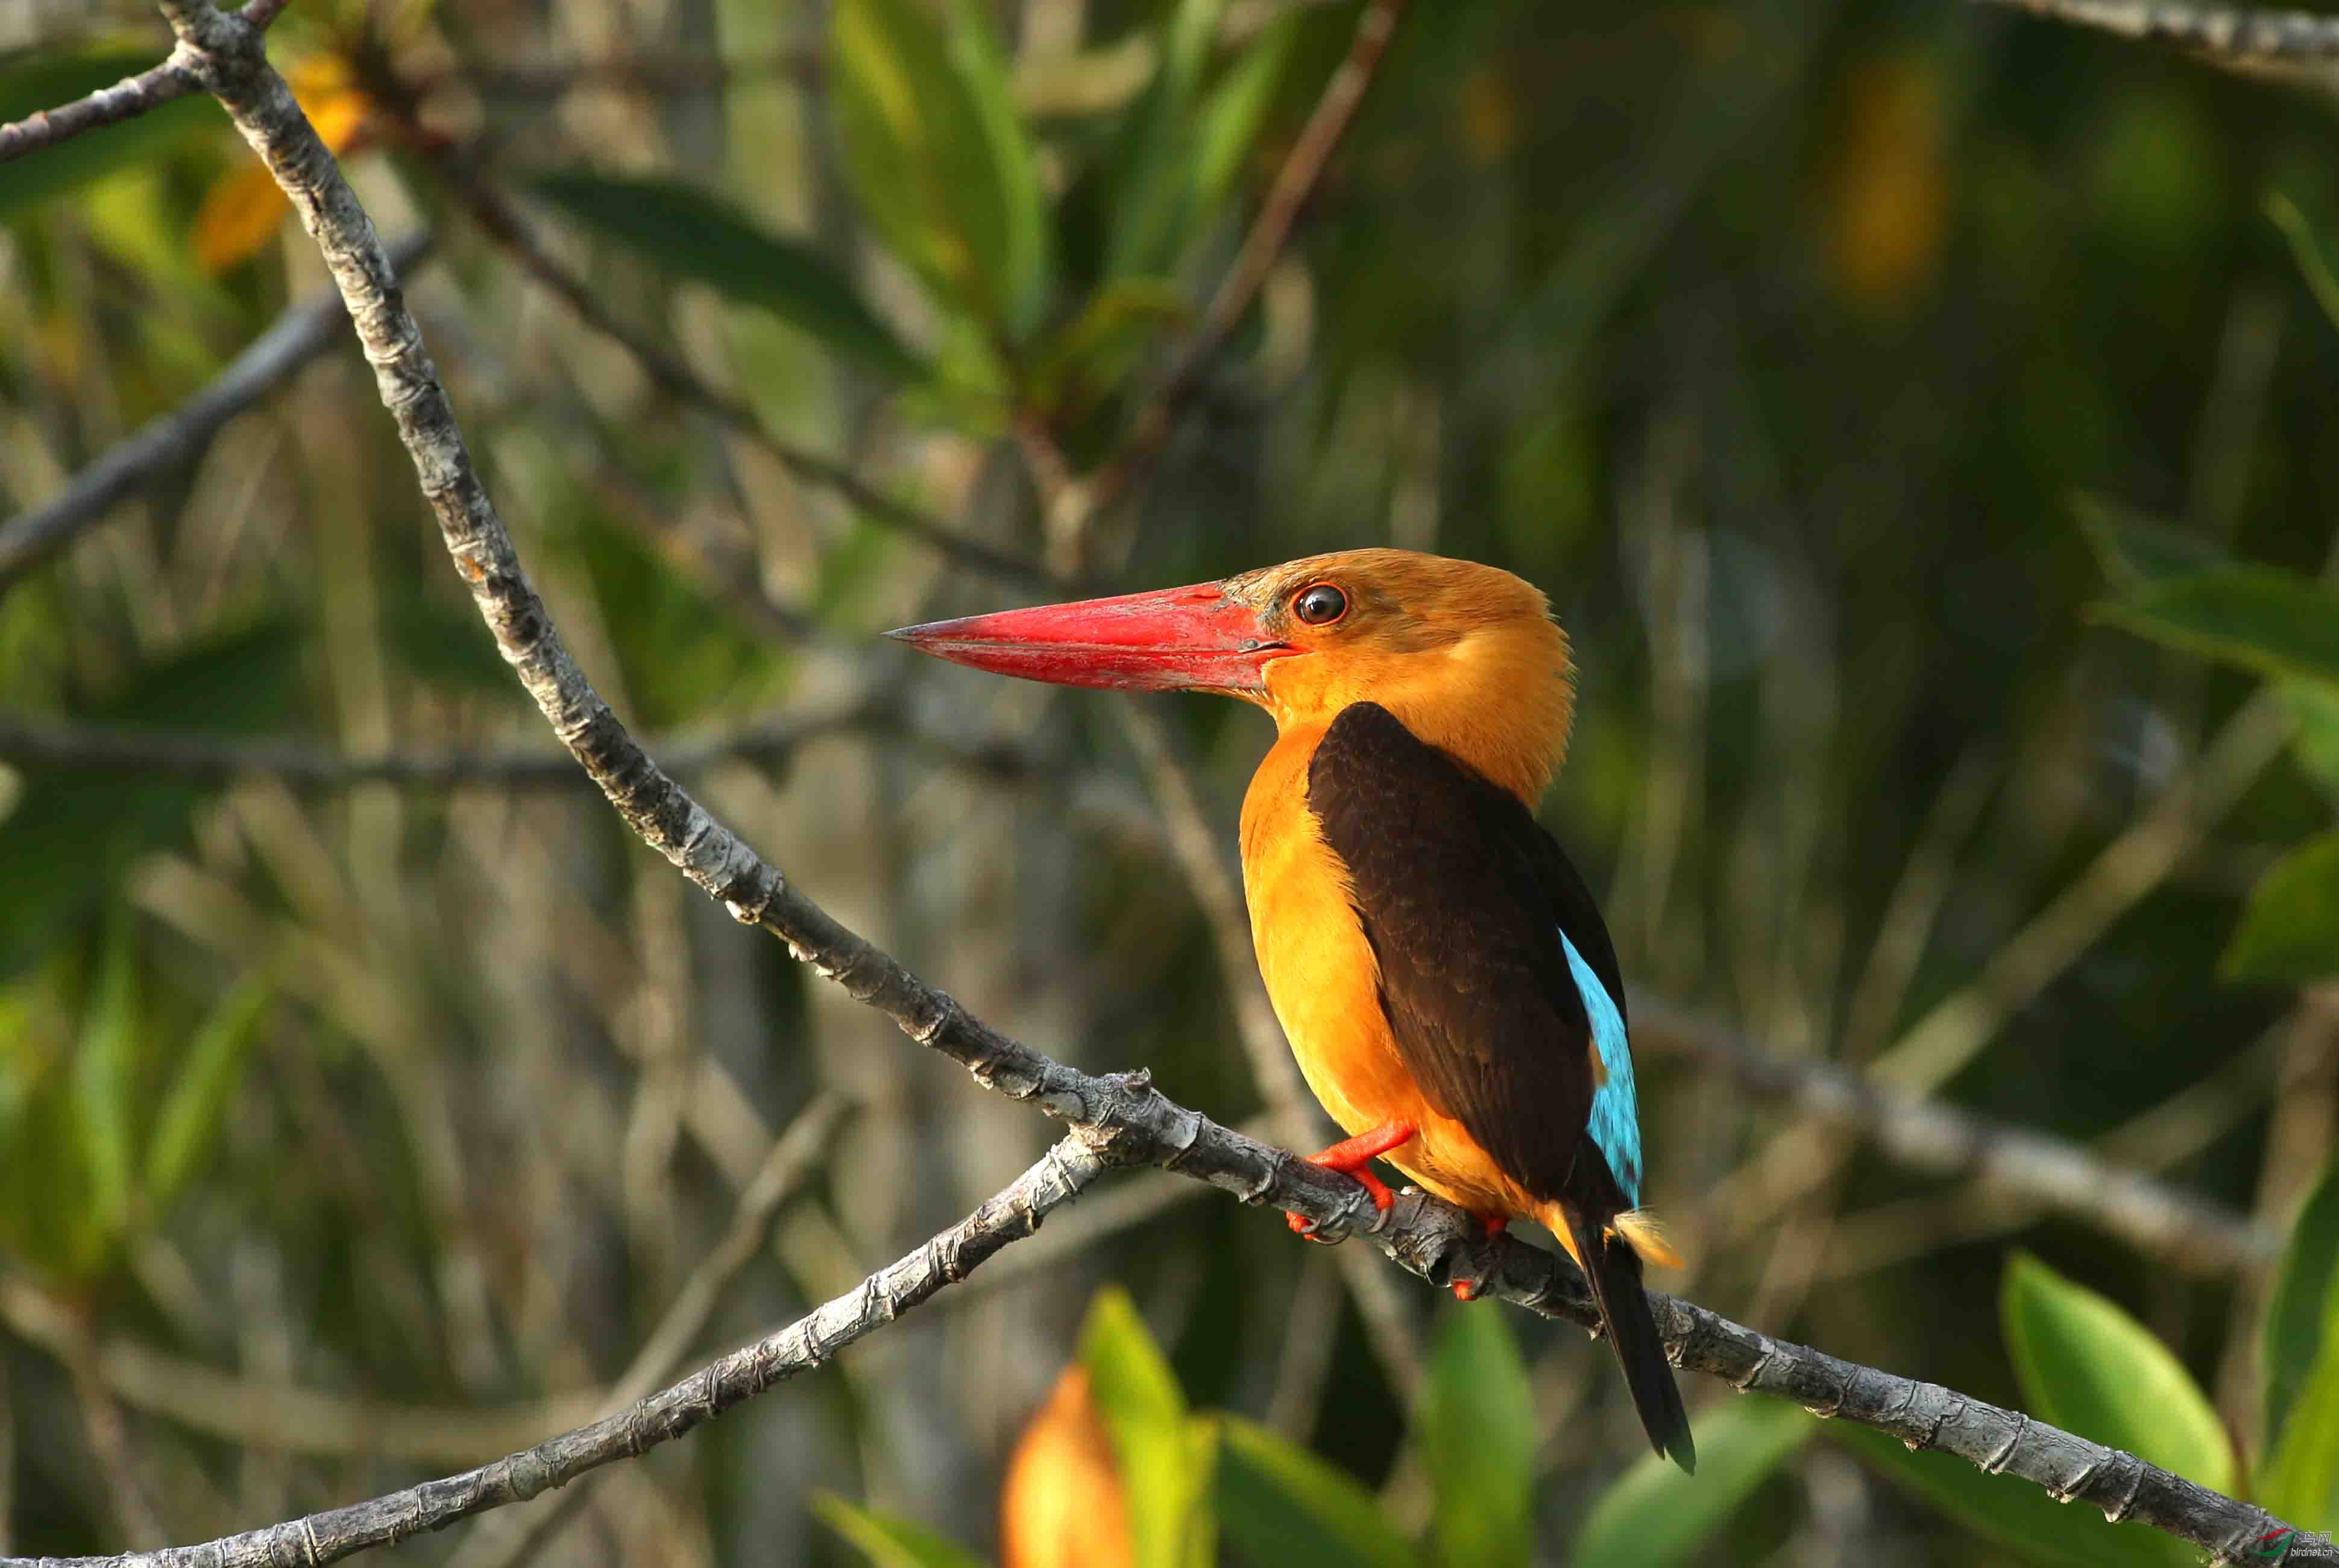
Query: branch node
(2118,1510)
(1995,1463)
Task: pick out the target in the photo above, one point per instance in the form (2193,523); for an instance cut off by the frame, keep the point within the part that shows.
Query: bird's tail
(1612,1267)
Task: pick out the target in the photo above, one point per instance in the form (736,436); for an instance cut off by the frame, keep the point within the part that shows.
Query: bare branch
(1119,1118)
(1068,1166)
(299,336)
(2292,46)
(130,96)
(126,99)
(183,754)
(1926,1135)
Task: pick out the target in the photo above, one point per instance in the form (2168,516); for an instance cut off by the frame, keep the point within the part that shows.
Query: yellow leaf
(1888,186)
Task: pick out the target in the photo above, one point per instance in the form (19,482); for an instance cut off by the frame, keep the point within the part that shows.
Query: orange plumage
(1440,967)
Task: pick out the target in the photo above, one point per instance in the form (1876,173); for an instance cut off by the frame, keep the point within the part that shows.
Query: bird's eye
(1320,605)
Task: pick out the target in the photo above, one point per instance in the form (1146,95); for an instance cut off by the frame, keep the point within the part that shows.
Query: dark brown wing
(1462,896)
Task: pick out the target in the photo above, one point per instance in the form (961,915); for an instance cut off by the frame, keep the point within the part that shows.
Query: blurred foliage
(1773,340)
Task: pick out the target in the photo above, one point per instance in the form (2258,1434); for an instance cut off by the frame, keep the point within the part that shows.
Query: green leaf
(1166,1458)
(2307,253)
(2291,1339)
(1652,1515)
(2133,549)
(2088,1368)
(2314,711)
(46,83)
(696,236)
(1153,183)
(2275,622)
(2300,1483)
(2010,1511)
(2290,931)
(1477,1433)
(937,159)
(1283,1507)
(189,1119)
(888,1542)
(105,1080)
(1229,125)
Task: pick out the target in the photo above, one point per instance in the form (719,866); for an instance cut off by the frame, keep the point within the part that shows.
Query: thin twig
(132,95)
(274,358)
(1119,1118)
(1068,1166)
(502,223)
(1925,1135)
(187,756)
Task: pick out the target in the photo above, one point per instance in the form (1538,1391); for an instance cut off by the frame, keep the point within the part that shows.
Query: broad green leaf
(1228,125)
(1021,278)
(2290,931)
(189,1119)
(1153,179)
(2312,266)
(1283,1507)
(241,682)
(1477,1433)
(939,162)
(2275,622)
(2134,549)
(2010,1511)
(887,1541)
(1165,1457)
(1652,1515)
(106,1080)
(2314,713)
(48,82)
(697,236)
(2291,1339)
(2300,1482)
(2088,1368)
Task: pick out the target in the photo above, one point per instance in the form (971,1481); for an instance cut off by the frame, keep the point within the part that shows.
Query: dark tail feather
(1614,1270)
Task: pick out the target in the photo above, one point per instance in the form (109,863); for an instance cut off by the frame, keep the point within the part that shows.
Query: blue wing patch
(1615,1124)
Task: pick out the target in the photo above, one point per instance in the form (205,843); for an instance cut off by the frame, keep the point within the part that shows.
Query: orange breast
(1322,977)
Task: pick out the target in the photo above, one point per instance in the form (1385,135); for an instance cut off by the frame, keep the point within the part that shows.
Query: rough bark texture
(1119,1119)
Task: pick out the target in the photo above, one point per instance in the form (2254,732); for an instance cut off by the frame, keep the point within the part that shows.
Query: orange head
(1468,657)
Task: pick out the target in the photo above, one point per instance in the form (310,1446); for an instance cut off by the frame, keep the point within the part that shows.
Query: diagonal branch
(274,358)
(2294,46)
(1120,1119)
(811,1342)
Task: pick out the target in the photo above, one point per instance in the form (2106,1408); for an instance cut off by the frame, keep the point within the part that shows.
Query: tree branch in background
(1117,1120)
(130,97)
(182,754)
(1069,1165)
(274,358)
(2294,46)
(1939,1140)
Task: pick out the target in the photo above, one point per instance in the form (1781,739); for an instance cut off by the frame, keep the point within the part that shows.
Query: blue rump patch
(1615,1116)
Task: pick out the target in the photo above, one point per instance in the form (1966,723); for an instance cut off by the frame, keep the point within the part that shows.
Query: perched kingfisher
(1437,964)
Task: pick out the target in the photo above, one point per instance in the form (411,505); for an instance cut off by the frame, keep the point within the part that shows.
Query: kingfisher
(1438,965)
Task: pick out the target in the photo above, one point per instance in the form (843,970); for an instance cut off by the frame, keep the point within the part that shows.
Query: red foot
(1353,1157)
(1463,1289)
